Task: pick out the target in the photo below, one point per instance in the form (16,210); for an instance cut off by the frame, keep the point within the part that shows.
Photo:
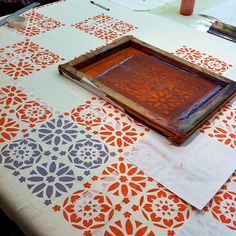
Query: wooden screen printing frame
(99,61)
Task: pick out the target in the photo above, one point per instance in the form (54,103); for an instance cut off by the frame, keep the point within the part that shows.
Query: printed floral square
(223,126)
(202,59)
(57,131)
(189,54)
(90,115)
(89,153)
(9,128)
(21,154)
(215,65)
(50,179)
(123,179)
(105,27)
(222,207)
(119,134)
(224,133)
(11,95)
(24,58)
(164,209)
(33,112)
(86,209)
(38,23)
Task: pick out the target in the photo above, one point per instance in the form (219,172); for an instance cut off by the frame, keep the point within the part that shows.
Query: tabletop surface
(67,159)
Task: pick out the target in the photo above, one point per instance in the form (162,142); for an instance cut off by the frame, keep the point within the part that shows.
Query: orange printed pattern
(123,179)
(223,206)
(38,23)
(164,209)
(87,209)
(8,128)
(202,59)
(104,27)
(20,69)
(214,64)
(223,126)
(33,112)
(89,114)
(11,95)
(25,47)
(128,227)
(119,134)
(45,58)
(23,58)
(189,54)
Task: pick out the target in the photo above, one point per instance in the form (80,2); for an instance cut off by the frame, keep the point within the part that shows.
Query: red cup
(186,7)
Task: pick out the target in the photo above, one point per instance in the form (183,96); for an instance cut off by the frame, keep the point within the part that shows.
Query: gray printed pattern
(88,153)
(58,131)
(54,157)
(21,154)
(50,180)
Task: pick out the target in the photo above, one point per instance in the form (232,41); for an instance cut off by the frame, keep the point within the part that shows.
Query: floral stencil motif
(164,209)
(123,179)
(11,95)
(225,134)
(58,131)
(227,114)
(25,47)
(38,23)
(202,59)
(119,134)
(20,69)
(49,24)
(128,227)
(223,208)
(24,58)
(33,112)
(189,54)
(29,31)
(214,64)
(223,126)
(104,27)
(8,128)
(88,154)
(87,209)
(45,58)
(88,115)
(21,154)
(50,180)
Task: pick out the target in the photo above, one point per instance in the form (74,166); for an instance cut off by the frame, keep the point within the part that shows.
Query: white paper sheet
(225,11)
(231,73)
(141,5)
(193,171)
